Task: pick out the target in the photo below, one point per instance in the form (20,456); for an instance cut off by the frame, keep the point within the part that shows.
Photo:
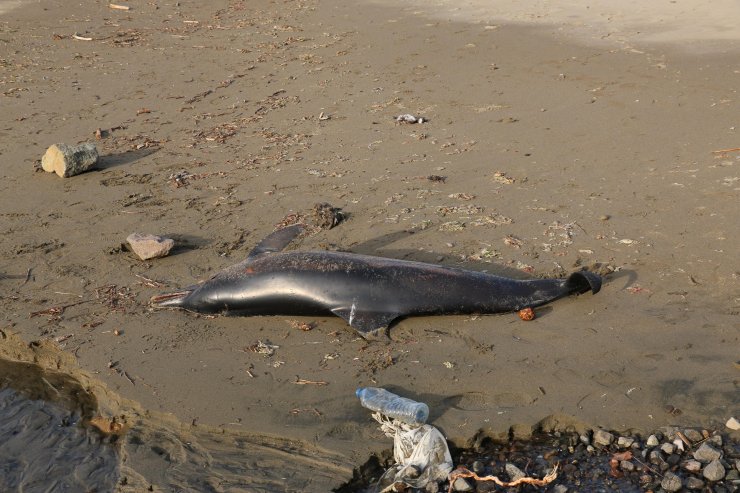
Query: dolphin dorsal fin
(276,241)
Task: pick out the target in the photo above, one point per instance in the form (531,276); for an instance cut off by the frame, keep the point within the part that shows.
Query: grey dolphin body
(368,292)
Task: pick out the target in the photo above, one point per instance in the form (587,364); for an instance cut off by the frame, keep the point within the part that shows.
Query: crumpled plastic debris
(421,454)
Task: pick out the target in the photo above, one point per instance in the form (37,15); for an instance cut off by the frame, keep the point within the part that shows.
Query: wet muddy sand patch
(63,433)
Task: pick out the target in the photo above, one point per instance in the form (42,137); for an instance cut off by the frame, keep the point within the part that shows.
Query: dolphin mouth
(170,299)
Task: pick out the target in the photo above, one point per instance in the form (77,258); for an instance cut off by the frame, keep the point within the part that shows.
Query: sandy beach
(555,150)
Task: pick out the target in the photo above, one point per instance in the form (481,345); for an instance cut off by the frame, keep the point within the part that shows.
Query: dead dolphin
(368,292)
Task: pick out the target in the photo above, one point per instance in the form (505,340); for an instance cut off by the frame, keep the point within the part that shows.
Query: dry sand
(557,153)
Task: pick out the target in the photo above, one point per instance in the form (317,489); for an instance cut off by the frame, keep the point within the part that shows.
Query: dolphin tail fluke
(582,281)
(170,300)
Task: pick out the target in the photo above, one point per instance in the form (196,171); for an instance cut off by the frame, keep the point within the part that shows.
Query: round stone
(714,471)
(671,482)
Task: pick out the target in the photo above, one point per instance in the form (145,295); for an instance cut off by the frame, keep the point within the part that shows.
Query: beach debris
(109,426)
(421,454)
(116,6)
(409,118)
(326,216)
(263,348)
(500,177)
(303,381)
(723,151)
(322,216)
(304,326)
(463,472)
(81,38)
(66,160)
(526,314)
(148,246)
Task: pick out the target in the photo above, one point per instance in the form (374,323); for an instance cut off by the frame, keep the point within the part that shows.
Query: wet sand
(557,154)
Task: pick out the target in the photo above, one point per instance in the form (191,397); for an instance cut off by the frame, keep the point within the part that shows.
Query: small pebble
(733,424)
(626,465)
(706,453)
(673,460)
(652,441)
(461,484)
(671,482)
(693,435)
(694,483)
(514,472)
(692,465)
(656,457)
(478,467)
(149,246)
(667,448)
(625,442)
(716,440)
(603,438)
(560,488)
(714,471)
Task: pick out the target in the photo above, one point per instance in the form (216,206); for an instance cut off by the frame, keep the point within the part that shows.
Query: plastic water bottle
(393,406)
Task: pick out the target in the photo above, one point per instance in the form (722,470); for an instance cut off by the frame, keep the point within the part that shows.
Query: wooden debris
(115,6)
(301,381)
(80,38)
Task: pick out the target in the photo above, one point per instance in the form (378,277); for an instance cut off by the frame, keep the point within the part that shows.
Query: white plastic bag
(421,453)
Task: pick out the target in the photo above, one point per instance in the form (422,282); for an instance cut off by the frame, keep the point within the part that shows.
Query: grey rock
(714,471)
(667,448)
(706,453)
(461,484)
(149,246)
(603,438)
(625,442)
(514,472)
(673,460)
(626,465)
(584,439)
(590,449)
(715,440)
(432,487)
(692,465)
(478,467)
(656,457)
(671,482)
(733,475)
(66,160)
(652,441)
(693,435)
(694,483)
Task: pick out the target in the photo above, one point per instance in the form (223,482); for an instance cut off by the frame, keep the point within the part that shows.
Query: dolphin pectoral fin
(370,325)
(276,241)
(582,281)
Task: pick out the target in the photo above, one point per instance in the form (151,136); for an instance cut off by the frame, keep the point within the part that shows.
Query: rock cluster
(670,460)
